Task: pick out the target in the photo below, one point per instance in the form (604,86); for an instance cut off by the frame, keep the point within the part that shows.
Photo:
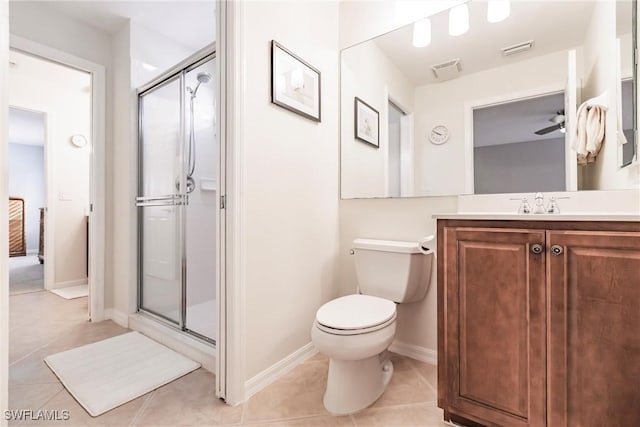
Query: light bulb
(459,20)
(422,33)
(498,10)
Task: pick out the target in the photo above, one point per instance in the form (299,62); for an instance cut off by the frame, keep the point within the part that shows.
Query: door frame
(230,348)
(98,177)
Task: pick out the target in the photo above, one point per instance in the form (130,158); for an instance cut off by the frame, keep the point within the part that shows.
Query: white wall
(26,180)
(290,175)
(122,192)
(368,74)
(64,95)
(442,169)
(4,218)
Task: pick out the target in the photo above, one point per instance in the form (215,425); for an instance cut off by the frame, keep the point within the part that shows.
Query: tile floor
(42,323)
(26,274)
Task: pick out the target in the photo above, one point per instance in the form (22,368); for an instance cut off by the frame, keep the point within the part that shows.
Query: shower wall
(201,210)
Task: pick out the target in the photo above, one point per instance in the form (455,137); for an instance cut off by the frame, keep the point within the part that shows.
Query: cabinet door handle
(536,249)
(556,250)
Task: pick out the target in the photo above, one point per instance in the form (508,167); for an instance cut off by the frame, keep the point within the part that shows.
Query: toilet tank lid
(387,246)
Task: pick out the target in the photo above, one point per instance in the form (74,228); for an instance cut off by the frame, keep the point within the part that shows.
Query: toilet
(355,330)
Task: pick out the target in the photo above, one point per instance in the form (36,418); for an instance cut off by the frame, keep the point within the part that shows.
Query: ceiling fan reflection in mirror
(558,124)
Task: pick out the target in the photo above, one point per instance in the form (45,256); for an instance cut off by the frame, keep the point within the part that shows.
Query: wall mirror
(480,101)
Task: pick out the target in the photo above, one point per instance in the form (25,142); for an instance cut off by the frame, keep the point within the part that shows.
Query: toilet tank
(397,271)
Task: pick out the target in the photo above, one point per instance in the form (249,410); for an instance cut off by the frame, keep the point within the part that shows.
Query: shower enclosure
(177,198)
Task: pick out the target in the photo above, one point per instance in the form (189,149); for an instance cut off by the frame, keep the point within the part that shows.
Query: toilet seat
(355,314)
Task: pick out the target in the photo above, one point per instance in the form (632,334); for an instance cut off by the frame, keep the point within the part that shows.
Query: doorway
(399,167)
(27,200)
(519,145)
(56,99)
(178,196)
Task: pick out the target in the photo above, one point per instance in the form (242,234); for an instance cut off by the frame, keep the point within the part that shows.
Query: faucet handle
(553,207)
(524,205)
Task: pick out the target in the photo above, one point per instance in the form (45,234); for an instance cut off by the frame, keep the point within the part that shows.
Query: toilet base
(353,385)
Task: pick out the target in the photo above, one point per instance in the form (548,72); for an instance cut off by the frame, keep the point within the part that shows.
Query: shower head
(202,78)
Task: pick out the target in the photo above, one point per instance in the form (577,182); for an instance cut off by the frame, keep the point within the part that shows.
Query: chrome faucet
(539,206)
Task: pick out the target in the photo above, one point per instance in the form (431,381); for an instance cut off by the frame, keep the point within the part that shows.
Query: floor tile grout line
(142,409)
(422,377)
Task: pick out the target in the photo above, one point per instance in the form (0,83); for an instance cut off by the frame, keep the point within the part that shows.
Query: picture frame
(366,123)
(295,84)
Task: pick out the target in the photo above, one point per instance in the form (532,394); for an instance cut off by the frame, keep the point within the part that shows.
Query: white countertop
(507,216)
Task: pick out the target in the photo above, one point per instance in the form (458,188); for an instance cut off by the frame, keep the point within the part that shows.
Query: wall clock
(78,140)
(439,135)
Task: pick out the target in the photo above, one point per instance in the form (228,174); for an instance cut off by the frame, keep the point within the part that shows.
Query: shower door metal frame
(181,198)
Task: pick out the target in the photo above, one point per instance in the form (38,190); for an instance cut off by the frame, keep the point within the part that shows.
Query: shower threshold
(189,344)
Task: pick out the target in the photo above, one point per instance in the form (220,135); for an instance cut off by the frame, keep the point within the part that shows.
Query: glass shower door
(201,211)
(161,200)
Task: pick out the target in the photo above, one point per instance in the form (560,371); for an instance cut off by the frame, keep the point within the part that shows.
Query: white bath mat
(72,292)
(109,373)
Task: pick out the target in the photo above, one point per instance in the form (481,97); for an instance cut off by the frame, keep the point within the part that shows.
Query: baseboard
(117,316)
(69,283)
(274,372)
(422,354)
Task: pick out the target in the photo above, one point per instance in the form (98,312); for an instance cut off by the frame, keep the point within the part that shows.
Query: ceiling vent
(517,48)
(447,70)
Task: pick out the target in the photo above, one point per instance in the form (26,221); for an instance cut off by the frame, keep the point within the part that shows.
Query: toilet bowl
(354,341)
(355,330)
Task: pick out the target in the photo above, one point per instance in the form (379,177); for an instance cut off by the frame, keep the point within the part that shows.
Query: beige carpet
(26,274)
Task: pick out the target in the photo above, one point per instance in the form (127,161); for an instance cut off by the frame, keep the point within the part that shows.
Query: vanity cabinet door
(594,328)
(494,321)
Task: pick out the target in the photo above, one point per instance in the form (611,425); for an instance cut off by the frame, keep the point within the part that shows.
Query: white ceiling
(516,122)
(553,25)
(190,23)
(26,127)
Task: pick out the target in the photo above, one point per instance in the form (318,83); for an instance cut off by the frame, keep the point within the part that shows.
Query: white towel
(590,129)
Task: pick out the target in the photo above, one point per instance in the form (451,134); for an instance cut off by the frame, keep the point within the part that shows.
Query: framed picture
(295,84)
(367,123)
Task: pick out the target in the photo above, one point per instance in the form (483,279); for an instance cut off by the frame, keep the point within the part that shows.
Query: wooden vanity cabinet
(544,335)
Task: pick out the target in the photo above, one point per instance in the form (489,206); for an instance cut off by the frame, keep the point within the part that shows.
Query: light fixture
(422,33)
(459,20)
(498,10)
(297,79)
